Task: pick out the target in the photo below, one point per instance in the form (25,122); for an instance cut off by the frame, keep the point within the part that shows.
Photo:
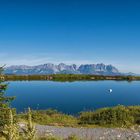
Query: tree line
(68,77)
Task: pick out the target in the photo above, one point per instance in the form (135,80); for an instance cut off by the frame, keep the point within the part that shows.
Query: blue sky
(71,31)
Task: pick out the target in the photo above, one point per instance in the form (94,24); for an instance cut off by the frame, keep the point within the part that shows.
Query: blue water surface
(73,97)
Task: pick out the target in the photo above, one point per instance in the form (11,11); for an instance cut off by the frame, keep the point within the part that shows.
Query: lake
(73,97)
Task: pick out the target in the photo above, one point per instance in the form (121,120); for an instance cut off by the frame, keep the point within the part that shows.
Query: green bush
(72,137)
(117,116)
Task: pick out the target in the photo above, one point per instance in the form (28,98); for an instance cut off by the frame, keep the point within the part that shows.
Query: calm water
(73,97)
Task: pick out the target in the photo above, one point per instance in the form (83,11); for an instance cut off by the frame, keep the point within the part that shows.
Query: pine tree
(11,130)
(4,102)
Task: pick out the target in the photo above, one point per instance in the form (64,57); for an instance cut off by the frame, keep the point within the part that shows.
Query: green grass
(51,117)
(119,116)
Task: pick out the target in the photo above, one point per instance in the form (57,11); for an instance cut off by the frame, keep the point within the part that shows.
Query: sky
(35,32)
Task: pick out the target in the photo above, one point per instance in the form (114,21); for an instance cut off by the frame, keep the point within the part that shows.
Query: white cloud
(36,59)
(41,58)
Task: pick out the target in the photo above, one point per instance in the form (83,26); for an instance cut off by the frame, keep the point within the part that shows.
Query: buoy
(110,90)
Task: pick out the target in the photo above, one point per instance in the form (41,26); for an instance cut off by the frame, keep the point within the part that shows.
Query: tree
(11,130)
(4,102)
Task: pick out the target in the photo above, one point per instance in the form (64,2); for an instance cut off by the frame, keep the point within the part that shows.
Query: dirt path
(89,133)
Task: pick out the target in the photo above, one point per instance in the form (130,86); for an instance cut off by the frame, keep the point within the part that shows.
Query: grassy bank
(50,117)
(69,77)
(119,116)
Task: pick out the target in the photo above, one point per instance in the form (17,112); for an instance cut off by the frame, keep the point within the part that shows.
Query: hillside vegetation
(119,116)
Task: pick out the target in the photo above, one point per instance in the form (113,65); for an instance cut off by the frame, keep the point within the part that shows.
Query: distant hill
(49,68)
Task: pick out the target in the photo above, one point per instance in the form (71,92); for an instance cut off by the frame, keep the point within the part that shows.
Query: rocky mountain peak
(50,68)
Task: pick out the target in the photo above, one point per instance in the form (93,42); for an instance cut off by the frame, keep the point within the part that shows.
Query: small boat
(110,90)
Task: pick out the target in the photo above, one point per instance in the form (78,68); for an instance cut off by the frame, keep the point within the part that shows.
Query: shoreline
(68,77)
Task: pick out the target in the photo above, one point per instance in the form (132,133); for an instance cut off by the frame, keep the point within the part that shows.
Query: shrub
(72,137)
(117,116)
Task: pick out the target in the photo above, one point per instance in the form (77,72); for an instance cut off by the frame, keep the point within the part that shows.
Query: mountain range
(50,68)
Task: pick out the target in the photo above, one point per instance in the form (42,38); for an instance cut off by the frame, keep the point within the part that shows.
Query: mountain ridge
(62,68)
